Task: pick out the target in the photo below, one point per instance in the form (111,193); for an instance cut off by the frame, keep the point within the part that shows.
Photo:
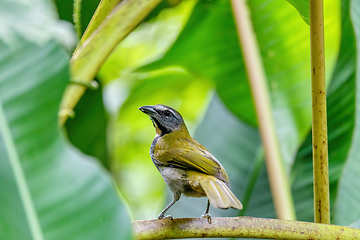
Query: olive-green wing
(196,159)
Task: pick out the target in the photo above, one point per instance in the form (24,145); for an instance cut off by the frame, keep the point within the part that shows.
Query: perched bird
(187,166)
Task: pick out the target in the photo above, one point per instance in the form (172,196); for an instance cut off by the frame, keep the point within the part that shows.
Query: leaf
(38,24)
(51,191)
(147,42)
(302,7)
(87,130)
(347,208)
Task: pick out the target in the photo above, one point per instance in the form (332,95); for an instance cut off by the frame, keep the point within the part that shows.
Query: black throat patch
(162,129)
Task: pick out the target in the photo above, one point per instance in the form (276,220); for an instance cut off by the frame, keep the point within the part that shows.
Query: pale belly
(178,180)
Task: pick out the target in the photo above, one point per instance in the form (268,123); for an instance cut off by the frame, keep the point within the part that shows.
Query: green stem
(319,117)
(278,180)
(239,227)
(77,17)
(104,8)
(89,57)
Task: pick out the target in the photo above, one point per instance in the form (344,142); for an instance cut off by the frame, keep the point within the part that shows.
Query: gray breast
(152,149)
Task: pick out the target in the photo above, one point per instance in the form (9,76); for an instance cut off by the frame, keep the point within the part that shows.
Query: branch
(278,180)
(319,117)
(239,227)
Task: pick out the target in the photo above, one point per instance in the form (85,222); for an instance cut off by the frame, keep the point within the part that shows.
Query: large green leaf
(37,24)
(49,189)
(347,210)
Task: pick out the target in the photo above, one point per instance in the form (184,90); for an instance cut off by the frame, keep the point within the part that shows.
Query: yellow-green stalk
(104,8)
(319,117)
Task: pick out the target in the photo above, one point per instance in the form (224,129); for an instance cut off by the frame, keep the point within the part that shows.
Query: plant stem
(89,57)
(239,227)
(103,9)
(277,177)
(77,17)
(319,117)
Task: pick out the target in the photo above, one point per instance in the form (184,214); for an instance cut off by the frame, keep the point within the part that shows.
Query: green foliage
(65,10)
(87,130)
(347,210)
(49,190)
(302,7)
(50,187)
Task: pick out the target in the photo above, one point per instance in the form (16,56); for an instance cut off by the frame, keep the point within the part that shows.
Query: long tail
(219,193)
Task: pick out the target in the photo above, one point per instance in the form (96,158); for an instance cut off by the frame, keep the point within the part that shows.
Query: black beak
(149,110)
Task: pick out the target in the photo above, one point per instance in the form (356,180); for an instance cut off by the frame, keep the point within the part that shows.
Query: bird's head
(164,118)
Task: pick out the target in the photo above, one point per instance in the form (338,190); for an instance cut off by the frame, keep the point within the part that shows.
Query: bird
(186,166)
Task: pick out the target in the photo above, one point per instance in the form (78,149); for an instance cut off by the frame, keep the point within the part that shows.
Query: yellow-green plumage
(180,149)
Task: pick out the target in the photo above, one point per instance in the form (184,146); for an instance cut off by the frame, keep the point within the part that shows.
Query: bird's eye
(167,113)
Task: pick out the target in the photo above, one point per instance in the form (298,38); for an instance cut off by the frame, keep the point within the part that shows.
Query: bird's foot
(167,216)
(208,216)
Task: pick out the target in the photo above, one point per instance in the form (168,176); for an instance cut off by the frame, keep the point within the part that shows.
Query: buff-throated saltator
(187,166)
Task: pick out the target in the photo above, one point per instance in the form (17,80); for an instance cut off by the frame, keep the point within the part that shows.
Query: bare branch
(239,227)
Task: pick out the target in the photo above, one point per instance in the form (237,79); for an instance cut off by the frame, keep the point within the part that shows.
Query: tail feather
(219,194)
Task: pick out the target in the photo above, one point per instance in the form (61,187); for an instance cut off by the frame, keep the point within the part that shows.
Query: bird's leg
(206,213)
(176,197)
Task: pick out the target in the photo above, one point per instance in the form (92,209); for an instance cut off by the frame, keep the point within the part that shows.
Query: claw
(167,216)
(208,216)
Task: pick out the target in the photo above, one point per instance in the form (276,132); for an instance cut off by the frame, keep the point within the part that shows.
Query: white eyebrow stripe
(160,107)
